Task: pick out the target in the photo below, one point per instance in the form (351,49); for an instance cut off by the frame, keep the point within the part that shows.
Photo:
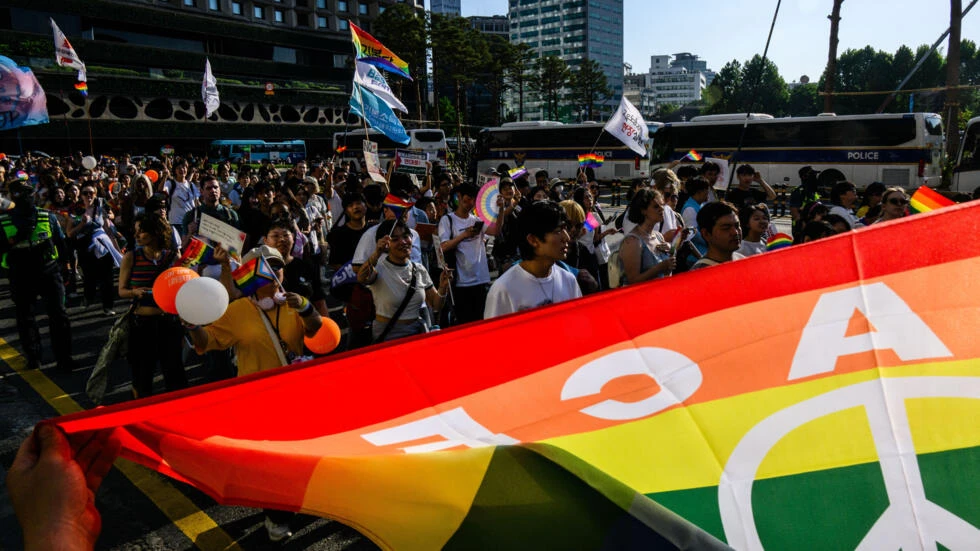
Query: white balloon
(88,162)
(203,302)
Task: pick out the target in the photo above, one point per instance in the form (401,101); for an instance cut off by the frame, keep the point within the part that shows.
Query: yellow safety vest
(40,236)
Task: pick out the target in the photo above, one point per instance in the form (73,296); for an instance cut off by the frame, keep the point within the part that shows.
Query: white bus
(966,174)
(429,140)
(897,149)
(555,147)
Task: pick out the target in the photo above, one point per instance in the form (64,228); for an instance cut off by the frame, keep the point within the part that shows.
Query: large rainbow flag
(370,50)
(830,408)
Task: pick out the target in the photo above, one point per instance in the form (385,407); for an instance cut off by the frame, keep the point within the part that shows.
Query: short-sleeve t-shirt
(472,267)
(343,242)
(241,326)
(391,284)
(519,290)
(744,198)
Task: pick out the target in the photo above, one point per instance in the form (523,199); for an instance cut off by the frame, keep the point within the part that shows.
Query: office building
(445,7)
(574,30)
(146,58)
(496,25)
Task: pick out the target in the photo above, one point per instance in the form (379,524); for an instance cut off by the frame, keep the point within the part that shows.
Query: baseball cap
(272,256)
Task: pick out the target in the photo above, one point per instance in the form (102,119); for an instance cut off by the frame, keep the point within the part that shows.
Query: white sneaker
(277,531)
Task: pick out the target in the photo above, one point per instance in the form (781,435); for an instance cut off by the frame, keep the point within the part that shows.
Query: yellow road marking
(193,522)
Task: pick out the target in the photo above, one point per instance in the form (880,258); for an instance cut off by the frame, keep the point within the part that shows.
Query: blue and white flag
(378,115)
(372,79)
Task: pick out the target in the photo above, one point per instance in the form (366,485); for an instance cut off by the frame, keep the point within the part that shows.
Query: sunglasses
(898,202)
(88,193)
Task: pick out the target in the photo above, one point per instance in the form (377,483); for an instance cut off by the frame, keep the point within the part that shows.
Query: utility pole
(953,80)
(830,76)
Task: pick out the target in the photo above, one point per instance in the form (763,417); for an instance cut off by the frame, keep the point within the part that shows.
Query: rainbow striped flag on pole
(693,155)
(848,419)
(593,160)
(397,204)
(926,199)
(197,252)
(370,50)
(253,275)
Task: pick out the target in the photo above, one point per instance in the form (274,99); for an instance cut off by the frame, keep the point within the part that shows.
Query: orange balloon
(326,339)
(152,175)
(168,283)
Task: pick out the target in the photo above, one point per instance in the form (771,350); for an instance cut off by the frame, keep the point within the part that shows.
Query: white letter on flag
(372,79)
(627,125)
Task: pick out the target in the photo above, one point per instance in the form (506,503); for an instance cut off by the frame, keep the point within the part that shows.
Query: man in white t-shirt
(183,197)
(543,240)
(462,234)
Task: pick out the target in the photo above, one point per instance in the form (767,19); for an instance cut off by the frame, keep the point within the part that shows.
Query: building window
(190,3)
(321,22)
(236,8)
(258,12)
(321,4)
(342,25)
(362,9)
(381,9)
(340,61)
(278,16)
(213,5)
(341,5)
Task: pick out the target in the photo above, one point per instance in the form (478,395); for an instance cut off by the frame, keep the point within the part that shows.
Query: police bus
(897,149)
(966,173)
(254,151)
(430,140)
(555,147)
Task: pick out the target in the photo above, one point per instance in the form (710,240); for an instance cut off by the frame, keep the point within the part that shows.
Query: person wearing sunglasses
(894,203)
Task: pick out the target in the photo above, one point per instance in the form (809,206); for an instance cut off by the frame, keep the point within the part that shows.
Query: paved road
(139,507)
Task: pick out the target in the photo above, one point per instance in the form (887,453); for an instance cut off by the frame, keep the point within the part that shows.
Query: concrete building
(676,81)
(146,58)
(573,30)
(497,24)
(445,7)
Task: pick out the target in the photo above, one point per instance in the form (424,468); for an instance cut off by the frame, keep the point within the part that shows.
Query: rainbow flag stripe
(593,160)
(926,199)
(82,87)
(197,252)
(693,155)
(370,50)
(253,275)
(397,204)
(847,419)
(779,241)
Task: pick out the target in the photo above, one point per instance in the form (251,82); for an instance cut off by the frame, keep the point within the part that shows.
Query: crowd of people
(403,255)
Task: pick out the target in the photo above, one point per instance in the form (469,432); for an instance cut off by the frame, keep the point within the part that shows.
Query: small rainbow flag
(341,149)
(22,176)
(593,160)
(517,172)
(693,155)
(82,87)
(925,199)
(397,204)
(779,241)
(370,50)
(253,275)
(197,252)
(591,222)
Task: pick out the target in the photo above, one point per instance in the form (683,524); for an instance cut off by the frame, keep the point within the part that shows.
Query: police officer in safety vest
(30,248)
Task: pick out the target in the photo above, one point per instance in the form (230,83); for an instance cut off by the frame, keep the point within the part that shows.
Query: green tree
(552,77)
(500,56)
(727,90)
(804,101)
(458,52)
(767,90)
(589,88)
(517,73)
(404,31)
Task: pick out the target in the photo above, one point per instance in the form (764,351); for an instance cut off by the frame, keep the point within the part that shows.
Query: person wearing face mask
(266,329)
(32,251)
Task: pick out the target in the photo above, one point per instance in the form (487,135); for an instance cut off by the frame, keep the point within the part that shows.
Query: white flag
(372,79)
(209,90)
(64,54)
(627,125)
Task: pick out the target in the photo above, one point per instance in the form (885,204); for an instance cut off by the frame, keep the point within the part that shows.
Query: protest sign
(372,162)
(218,232)
(411,162)
(440,256)
(721,182)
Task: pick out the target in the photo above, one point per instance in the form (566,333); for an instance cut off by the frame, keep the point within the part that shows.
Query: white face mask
(267,303)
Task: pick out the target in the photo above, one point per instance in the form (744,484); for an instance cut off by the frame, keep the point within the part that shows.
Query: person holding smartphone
(462,240)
